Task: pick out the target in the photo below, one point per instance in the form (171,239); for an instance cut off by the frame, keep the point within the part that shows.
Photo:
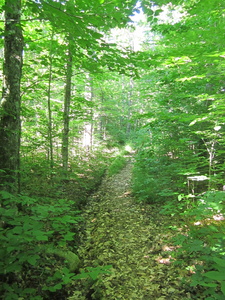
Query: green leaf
(215,275)
(17,230)
(6,195)
(94,275)
(219,261)
(56,287)
(82,275)
(69,236)
(67,219)
(33,259)
(223,287)
(40,235)
(29,291)
(209,284)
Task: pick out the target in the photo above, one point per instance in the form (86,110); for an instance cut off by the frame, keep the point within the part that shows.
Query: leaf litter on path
(131,238)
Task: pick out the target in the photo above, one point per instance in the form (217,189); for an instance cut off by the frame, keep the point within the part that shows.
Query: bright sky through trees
(134,36)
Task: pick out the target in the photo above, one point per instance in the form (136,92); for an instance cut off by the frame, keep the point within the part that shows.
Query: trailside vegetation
(56,140)
(180,147)
(80,82)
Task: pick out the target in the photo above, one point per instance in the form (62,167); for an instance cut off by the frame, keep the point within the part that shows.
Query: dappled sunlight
(125,194)
(112,127)
(214,220)
(128,148)
(164,261)
(132,239)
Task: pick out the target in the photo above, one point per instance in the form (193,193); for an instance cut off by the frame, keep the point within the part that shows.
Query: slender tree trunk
(66,113)
(88,126)
(10,125)
(50,151)
(129,105)
(102,118)
(210,146)
(92,116)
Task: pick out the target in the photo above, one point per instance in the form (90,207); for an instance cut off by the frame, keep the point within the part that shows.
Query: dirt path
(133,240)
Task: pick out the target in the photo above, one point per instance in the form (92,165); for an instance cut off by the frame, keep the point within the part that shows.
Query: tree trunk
(129,105)
(88,126)
(50,150)
(66,113)
(10,125)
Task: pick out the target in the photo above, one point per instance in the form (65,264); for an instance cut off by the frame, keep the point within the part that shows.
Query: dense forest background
(84,84)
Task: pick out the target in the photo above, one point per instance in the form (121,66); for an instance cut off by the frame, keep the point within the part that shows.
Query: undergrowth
(40,228)
(37,240)
(200,241)
(156,179)
(84,175)
(117,164)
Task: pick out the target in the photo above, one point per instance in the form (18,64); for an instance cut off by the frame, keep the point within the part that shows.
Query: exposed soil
(134,240)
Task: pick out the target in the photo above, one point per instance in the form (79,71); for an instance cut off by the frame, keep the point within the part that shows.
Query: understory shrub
(117,164)
(201,243)
(84,175)
(40,229)
(37,255)
(156,178)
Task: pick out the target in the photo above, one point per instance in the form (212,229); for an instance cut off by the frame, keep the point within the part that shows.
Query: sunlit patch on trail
(165,261)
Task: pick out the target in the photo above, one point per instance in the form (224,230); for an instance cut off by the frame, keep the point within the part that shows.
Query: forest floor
(134,240)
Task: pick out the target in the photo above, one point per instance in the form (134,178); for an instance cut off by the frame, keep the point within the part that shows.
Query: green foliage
(33,235)
(203,249)
(183,134)
(217,276)
(84,175)
(40,233)
(94,272)
(156,178)
(201,242)
(179,102)
(91,279)
(179,206)
(117,164)
(196,208)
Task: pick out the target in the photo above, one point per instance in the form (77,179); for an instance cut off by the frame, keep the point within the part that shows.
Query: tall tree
(66,113)
(49,105)
(10,125)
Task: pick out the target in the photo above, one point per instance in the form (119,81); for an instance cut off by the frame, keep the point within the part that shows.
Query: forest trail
(131,238)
